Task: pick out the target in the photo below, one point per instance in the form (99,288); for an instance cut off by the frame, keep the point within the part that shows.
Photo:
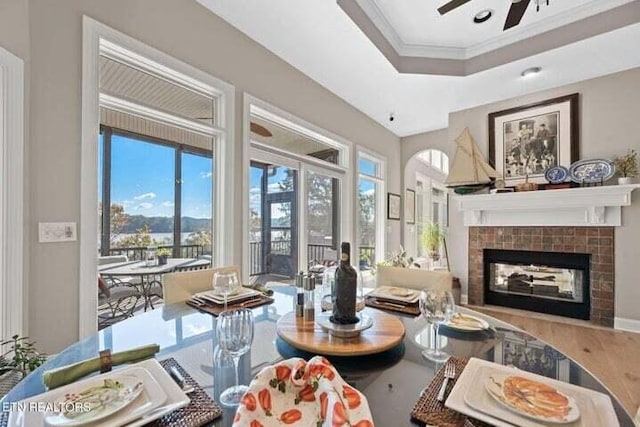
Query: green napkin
(260,288)
(67,374)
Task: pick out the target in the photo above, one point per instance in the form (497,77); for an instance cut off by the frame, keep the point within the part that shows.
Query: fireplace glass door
(548,282)
(540,280)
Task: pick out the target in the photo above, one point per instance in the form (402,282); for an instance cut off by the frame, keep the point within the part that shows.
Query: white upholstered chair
(414,278)
(179,286)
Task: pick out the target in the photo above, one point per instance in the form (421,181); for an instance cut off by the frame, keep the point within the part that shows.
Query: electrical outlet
(49,232)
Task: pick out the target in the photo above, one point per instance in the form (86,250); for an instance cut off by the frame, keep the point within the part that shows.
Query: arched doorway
(425,173)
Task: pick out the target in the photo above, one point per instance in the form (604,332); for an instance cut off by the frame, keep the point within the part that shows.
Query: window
(431,206)
(153,193)
(436,159)
(370,210)
(299,202)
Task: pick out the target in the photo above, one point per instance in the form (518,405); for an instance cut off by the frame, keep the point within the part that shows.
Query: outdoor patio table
(392,387)
(149,276)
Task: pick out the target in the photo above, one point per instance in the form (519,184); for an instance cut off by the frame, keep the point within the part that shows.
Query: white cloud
(168,204)
(150,195)
(205,175)
(145,205)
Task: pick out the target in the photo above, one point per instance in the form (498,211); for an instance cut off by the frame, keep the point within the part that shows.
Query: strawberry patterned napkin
(300,393)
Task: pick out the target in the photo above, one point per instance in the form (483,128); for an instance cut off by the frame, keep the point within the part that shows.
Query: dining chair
(414,278)
(180,286)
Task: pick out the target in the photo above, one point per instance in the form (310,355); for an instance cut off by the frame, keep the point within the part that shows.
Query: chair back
(179,286)
(414,278)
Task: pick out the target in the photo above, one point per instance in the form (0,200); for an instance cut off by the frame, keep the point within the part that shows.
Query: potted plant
(432,237)
(163,254)
(627,166)
(19,358)
(398,259)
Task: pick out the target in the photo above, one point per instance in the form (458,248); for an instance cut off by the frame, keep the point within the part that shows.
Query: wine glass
(225,283)
(234,333)
(437,307)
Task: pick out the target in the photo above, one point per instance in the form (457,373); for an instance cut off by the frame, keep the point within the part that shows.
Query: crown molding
(579,23)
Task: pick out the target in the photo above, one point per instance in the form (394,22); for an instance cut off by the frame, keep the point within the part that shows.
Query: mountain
(164,224)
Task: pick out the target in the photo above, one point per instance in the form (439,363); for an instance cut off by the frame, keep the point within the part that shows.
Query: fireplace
(546,282)
(595,242)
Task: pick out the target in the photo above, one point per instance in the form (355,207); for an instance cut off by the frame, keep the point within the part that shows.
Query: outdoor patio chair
(116,300)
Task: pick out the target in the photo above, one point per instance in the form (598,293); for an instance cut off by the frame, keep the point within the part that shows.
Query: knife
(179,379)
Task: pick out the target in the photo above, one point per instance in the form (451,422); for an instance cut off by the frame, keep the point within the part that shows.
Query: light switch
(49,232)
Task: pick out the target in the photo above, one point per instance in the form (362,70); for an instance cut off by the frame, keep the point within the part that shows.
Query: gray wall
(185,30)
(610,124)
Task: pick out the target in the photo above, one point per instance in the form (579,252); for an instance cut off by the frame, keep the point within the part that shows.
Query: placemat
(411,309)
(216,309)
(428,410)
(200,411)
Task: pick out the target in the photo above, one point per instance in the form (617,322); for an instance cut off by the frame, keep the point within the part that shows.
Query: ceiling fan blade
(260,130)
(453,4)
(516,12)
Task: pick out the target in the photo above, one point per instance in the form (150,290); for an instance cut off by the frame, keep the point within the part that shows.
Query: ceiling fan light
(529,72)
(483,16)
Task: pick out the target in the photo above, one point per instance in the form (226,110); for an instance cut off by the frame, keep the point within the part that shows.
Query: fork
(449,372)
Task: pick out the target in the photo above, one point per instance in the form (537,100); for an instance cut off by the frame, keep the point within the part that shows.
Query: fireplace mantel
(581,207)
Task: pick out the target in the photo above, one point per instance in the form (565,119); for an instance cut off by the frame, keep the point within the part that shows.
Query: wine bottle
(345,289)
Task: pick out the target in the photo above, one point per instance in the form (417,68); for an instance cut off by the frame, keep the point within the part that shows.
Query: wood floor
(612,356)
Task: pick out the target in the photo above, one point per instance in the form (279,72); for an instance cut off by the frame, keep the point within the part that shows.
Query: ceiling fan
(516,11)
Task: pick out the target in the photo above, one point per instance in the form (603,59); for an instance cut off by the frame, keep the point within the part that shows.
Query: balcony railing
(316,253)
(137,253)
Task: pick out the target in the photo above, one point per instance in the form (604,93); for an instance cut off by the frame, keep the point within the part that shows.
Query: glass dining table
(392,381)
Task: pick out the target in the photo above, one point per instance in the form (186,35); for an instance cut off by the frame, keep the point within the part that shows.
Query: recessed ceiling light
(530,71)
(483,16)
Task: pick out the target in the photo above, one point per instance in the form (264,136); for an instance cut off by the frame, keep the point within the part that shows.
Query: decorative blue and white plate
(591,171)
(556,174)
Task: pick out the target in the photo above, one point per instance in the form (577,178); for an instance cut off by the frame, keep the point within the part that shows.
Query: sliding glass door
(294,217)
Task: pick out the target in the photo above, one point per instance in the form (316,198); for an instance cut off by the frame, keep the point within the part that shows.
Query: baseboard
(464,299)
(623,324)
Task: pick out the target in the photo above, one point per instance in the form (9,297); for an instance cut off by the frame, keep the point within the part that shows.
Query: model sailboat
(469,171)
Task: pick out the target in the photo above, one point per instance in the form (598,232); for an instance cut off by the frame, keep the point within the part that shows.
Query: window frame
(95,37)
(255,151)
(381,190)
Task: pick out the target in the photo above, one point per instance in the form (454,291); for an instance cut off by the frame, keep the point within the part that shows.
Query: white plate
(115,392)
(470,397)
(495,387)
(176,398)
(240,294)
(151,397)
(466,323)
(396,293)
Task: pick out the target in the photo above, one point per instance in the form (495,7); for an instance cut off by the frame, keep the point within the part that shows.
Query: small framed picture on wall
(393,206)
(410,206)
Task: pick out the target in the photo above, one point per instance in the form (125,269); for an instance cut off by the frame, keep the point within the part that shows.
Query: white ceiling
(319,39)
(415,26)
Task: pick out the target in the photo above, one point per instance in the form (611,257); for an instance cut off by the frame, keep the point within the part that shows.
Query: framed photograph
(528,140)
(393,206)
(410,206)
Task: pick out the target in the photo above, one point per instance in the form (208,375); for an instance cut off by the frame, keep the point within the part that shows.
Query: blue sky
(143,176)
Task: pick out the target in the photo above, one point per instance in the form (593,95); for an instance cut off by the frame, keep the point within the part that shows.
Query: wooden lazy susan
(386,332)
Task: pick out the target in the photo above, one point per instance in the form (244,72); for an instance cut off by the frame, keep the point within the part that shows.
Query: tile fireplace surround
(597,241)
